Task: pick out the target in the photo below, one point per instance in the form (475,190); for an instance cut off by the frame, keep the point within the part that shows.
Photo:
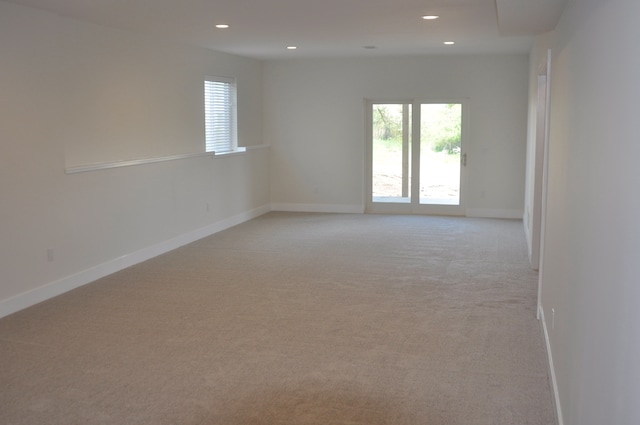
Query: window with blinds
(220,114)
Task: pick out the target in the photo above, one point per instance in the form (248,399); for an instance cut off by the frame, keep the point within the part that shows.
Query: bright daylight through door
(416,153)
(391,150)
(440,137)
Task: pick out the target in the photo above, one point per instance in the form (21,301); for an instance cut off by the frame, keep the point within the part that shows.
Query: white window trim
(231,145)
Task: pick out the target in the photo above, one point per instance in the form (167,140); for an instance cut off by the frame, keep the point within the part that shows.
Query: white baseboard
(60,286)
(359,209)
(552,370)
(319,208)
(491,213)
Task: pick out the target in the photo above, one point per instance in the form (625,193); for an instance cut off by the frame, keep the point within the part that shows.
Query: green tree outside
(441,127)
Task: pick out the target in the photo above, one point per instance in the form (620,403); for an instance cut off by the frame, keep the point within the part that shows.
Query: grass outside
(440,172)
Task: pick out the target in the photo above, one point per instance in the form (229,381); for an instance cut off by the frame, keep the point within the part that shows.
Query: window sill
(238,151)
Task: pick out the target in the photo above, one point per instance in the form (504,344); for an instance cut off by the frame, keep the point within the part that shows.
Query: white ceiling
(325,28)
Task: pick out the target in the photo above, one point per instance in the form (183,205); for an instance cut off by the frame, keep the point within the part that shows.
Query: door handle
(464,159)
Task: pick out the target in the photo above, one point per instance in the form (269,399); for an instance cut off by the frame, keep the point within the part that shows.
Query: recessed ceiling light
(291,47)
(222,26)
(449,42)
(430,17)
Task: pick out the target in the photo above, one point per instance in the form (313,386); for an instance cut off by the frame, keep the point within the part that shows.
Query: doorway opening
(415,157)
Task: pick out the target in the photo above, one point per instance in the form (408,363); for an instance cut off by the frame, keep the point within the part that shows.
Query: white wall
(314,122)
(590,267)
(74,93)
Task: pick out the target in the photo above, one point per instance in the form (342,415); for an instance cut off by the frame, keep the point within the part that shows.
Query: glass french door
(415,157)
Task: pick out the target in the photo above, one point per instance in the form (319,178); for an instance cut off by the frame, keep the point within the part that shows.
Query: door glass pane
(391,153)
(440,138)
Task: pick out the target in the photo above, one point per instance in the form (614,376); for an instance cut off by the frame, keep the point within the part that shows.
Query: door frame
(541,224)
(414,207)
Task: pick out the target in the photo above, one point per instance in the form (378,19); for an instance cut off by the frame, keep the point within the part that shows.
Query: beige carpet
(294,319)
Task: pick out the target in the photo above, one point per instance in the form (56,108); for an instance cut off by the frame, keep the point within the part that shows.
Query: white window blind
(220,114)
